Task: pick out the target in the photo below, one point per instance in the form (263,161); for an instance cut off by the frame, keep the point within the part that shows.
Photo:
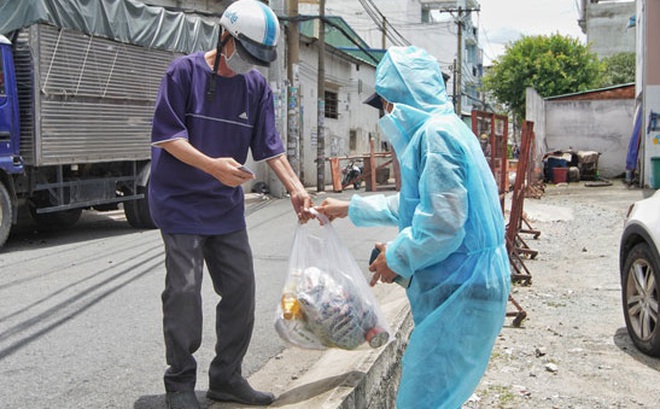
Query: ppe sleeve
(170,110)
(377,210)
(438,224)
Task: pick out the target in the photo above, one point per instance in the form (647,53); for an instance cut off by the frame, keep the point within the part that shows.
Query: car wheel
(640,293)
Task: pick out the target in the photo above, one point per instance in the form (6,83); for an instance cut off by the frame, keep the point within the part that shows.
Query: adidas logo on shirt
(243,115)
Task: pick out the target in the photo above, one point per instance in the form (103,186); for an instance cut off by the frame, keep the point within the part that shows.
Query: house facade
(647,91)
(349,74)
(608,25)
(445,28)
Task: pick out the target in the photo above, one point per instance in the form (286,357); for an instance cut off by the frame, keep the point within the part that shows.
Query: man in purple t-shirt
(211,109)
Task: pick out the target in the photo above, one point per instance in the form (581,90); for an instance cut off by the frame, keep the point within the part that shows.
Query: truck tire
(137,211)
(6,214)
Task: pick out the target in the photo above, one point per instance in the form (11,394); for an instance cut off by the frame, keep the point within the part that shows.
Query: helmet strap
(210,92)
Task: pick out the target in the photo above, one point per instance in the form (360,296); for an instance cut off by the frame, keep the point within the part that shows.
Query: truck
(77,91)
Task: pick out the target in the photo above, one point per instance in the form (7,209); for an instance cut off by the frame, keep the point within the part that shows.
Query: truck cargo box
(84,99)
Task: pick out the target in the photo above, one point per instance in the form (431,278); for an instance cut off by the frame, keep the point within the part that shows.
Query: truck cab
(10,160)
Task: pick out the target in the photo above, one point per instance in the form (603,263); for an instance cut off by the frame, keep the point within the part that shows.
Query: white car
(639,264)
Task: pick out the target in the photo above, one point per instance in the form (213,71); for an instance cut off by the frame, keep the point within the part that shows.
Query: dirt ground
(572,350)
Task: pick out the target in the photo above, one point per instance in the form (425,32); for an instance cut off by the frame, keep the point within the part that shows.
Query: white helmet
(256,28)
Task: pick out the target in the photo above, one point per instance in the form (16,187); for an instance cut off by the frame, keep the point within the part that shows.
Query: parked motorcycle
(352,173)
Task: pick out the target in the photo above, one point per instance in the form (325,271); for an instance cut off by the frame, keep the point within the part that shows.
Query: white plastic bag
(326,301)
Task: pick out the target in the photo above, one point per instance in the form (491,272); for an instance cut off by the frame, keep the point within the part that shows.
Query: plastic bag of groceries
(326,301)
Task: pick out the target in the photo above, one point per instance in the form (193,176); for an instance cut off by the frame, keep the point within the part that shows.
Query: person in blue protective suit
(451,233)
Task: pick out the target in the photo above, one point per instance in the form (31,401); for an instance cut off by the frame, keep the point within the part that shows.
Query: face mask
(237,64)
(392,130)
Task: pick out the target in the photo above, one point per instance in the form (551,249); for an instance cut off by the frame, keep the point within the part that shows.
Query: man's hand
(380,268)
(333,208)
(227,171)
(299,197)
(301,204)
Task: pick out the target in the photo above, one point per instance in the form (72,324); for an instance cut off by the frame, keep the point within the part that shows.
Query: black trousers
(229,261)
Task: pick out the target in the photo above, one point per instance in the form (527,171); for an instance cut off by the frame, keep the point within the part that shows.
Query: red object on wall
(559,175)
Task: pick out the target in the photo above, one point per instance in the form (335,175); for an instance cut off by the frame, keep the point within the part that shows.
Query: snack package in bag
(326,301)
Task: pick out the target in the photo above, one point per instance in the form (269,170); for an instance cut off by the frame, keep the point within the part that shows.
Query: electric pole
(459,61)
(294,142)
(458,65)
(384,39)
(320,118)
(453,76)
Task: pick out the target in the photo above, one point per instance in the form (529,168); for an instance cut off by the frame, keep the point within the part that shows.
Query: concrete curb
(337,379)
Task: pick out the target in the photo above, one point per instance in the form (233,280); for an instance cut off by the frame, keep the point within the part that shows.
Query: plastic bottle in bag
(290,306)
(289,303)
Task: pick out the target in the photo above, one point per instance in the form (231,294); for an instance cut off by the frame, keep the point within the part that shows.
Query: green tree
(553,65)
(618,69)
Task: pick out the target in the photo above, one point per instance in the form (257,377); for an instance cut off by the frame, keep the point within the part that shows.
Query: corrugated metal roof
(340,35)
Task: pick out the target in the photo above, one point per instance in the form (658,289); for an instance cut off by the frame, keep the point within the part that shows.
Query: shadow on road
(624,342)
(296,395)
(153,402)
(92,225)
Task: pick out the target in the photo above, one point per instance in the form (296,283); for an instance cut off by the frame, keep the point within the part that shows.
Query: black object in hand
(374,254)
(402,281)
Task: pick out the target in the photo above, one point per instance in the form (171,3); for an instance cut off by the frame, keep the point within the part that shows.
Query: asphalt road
(80,318)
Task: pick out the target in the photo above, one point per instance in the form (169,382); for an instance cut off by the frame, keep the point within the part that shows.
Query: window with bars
(331,105)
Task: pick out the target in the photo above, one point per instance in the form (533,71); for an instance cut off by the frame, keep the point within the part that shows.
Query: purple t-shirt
(184,199)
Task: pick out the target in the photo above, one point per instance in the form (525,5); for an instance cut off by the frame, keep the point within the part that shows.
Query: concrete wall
(602,126)
(583,125)
(535,112)
(607,31)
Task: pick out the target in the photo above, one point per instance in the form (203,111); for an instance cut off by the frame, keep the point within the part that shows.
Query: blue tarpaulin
(127,21)
(633,145)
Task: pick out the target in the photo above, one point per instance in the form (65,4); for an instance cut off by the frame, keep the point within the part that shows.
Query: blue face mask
(390,127)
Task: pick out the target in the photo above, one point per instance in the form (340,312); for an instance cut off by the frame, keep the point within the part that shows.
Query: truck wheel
(55,220)
(137,211)
(6,213)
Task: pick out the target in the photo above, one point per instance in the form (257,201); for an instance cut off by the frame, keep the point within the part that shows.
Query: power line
(482,30)
(381,22)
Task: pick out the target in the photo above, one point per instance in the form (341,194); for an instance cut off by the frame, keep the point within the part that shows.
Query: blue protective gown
(451,234)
